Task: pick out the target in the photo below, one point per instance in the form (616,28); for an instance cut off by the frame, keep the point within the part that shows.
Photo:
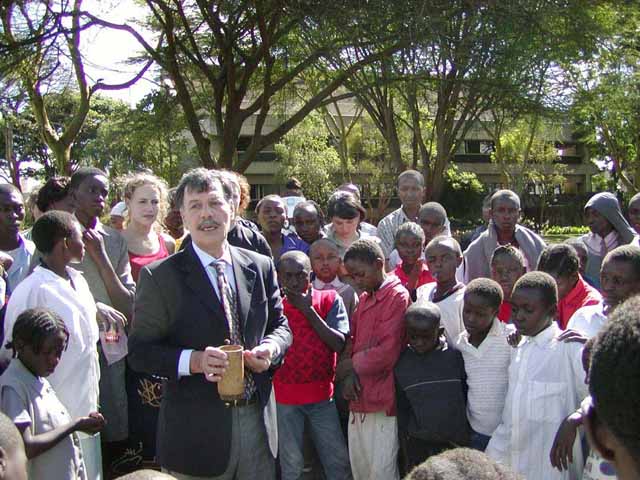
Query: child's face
(368,277)
(307,223)
(505,214)
(325,262)
(272,215)
(294,275)
(477,314)
(530,312)
(443,260)
(409,248)
(75,245)
(44,362)
(424,335)
(618,281)
(506,271)
(432,225)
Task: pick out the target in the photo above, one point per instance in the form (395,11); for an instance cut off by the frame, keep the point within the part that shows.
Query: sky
(106,51)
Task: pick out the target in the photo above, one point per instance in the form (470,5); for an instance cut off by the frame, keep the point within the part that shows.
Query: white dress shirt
(546,383)
(487,368)
(76,377)
(588,320)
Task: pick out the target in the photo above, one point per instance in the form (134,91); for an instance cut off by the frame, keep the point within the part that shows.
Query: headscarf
(607,205)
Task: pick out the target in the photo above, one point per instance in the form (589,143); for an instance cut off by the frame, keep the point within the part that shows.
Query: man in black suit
(186,306)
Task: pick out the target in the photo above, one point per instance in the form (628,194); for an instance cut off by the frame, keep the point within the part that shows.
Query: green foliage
(463,193)
(305,153)
(570,230)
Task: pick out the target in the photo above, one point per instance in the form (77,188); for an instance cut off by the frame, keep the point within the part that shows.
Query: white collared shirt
(334,284)
(207,259)
(450,309)
(546,383)
(588,320)
(487,369)
(76,377)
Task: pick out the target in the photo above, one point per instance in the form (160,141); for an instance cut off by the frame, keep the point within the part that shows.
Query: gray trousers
(250,457)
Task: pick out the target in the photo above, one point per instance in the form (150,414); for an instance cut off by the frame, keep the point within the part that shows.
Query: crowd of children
(409,356)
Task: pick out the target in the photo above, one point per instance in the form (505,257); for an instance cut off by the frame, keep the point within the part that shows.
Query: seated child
(562,263)
(486,353)
(443,258)
(13,459)
(412,270)
(612,422)
(507,266)
(378,336)
(430,389)
(39,338)
(545,384)
(326,263)
(303,385)
(432,218)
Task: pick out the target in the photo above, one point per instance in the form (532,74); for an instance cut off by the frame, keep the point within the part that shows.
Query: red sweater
(307,374)
(582,295)
(378,335)
(424,276)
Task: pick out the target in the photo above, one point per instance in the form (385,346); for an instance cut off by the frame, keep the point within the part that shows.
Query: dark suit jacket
(177,308)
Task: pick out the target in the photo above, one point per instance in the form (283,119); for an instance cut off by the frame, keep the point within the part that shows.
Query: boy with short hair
(486,353)
(303,385)
(619,280)
(612,422)
(562,263)
(378,335)
(443,258)
(430,389)
(507,266)
(546,383)
(412,271)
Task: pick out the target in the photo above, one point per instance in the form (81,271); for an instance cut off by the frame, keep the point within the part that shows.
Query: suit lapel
(197,280)
(245,277)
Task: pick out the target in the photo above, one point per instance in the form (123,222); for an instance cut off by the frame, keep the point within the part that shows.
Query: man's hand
(569,336)
(111,318)
(92,423)
(351,388)
(514,338)
(94,245)
(258,359)
(212,362)
(561,454)
(302,301)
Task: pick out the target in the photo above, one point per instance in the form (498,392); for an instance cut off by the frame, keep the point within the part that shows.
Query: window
(479,147)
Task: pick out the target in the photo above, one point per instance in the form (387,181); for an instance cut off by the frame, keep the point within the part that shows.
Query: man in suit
(186,306)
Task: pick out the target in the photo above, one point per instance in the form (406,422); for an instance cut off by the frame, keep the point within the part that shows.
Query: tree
(232,63)
(41,46)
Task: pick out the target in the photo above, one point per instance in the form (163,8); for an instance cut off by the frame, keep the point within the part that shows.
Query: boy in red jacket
(303,385)
(378,336)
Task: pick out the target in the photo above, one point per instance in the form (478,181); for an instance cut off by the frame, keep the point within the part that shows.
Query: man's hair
(614,377)
(461,464)
(364,250)
(54,190)
(414,174)
(271,198)
(296,256)
(433,207)
(626,253)
(199,180)
(447,241)
(345,205)
(293,184)
(9,188)
(560,260)
(10,438)
(324,241)
(508,251)
(424,312)
(486,288)
(351,188)
(505,195)
(411,229)
(310,203)
(542,282)
(80,175)
(33,326)
(52,227)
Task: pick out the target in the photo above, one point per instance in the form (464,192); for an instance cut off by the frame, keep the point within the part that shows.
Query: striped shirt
(487,370)
(387,229)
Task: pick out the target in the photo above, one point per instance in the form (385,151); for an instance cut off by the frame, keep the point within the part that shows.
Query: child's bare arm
(561,454)
(35,445)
